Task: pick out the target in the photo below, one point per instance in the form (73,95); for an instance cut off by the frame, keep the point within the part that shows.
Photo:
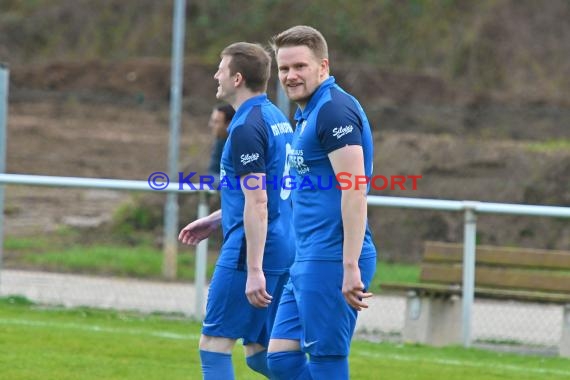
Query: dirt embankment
(104,120)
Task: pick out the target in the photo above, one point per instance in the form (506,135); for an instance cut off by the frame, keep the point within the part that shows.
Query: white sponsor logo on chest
(297,161)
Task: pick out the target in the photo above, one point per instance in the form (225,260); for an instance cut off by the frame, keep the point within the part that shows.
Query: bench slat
(421,288)
(489,255)
(497,277)
(519,295)
(439,290)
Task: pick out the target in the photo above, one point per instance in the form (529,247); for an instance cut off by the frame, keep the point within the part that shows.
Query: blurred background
(472,95)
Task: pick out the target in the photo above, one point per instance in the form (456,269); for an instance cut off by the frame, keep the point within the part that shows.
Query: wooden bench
(433,309)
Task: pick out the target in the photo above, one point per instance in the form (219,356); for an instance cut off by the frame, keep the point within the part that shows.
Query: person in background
(220,119)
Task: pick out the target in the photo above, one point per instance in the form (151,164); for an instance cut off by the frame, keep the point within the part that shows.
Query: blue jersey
(258,141)
(331,120)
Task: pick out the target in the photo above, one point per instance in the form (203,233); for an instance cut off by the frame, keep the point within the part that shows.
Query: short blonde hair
(302,35)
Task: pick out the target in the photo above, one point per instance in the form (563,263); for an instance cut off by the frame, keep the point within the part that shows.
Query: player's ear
(324,67)
(238,79)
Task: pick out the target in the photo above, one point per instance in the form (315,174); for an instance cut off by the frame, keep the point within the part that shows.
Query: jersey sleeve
(338,126)
(249,142)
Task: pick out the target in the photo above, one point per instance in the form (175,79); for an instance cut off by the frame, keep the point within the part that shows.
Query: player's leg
(286,361)
(285,358)
(288,365)
(256,350)
(216,357)
(325,318)
(225,321)
(329,331)
(256,358)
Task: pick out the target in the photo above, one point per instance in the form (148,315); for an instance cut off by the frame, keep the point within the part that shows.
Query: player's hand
(197,231)
(255,289)
(353,288)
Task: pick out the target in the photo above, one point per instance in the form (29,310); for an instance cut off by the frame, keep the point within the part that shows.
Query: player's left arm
(350,159)
(340,130)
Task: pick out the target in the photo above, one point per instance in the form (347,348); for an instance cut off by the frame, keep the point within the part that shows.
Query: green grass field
(142,260)
(54,343)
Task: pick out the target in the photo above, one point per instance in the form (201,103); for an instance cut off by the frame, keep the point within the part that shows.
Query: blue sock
(329,367)
(288,365)
(216,365)
(258,363)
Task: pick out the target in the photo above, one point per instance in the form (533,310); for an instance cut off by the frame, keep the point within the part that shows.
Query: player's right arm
(249,143)
(200,229)
(255,225)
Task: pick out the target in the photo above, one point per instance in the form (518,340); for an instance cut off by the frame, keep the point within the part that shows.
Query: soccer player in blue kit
(255,215)
(335,255)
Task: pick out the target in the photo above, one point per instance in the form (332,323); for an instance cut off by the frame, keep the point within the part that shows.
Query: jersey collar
(303,115)
(251,102)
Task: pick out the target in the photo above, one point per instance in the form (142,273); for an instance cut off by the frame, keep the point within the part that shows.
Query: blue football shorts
(313,309)
(230,315)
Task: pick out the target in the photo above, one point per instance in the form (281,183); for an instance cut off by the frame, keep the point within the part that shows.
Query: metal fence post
(3,117)
(201,260)
(169,266)
(469,236)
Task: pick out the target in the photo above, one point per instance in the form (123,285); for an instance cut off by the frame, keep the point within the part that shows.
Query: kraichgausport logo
(341,181)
